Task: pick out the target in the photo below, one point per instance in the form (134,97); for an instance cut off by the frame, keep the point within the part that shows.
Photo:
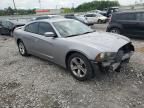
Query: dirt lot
(34,83)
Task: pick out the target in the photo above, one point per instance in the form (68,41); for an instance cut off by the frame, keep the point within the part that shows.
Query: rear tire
(22,49)
(80,67)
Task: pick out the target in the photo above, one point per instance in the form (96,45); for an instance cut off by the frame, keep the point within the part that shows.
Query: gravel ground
(30,82)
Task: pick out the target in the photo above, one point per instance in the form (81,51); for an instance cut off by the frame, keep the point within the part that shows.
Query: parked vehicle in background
(80,18)
(7,26)
(127,23)
(111,10)
(96,18)
(46,17)
(75,46)
(104,13)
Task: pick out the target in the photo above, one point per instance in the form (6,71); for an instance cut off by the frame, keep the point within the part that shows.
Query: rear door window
(32,28)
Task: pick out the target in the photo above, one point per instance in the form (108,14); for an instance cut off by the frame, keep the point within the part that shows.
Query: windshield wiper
(80,34)
(89,32)
(73,35)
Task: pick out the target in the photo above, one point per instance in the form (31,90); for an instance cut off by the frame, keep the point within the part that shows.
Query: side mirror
(49,34)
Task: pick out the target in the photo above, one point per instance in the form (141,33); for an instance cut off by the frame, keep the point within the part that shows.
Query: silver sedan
(74,46)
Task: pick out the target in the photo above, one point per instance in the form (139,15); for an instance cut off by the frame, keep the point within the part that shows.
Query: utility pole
(40,4)
(72,5)
(14,5)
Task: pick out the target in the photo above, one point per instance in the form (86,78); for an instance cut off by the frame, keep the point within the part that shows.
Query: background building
(48,11)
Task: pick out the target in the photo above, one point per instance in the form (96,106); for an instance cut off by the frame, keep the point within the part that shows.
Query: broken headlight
(105,56)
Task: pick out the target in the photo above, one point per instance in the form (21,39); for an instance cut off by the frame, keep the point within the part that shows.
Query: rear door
(128,23)
(30,32)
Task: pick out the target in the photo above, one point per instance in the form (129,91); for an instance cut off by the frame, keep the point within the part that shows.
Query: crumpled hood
(102,41)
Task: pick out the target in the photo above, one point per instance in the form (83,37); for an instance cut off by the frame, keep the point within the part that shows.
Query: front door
(45,46)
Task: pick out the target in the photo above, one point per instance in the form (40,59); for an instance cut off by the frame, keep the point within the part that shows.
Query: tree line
(100,5)
(96,4)
(10,11)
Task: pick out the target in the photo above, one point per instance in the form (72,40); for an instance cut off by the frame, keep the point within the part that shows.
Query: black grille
(127,48)
(123,50)
(119,55)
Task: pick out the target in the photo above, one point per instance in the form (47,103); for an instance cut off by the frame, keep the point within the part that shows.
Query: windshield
(71,28)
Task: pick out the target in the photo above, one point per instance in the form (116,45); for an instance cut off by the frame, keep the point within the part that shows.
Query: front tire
(80,67)
(22,49)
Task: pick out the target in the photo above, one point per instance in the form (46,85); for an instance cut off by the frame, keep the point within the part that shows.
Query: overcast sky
(27,4)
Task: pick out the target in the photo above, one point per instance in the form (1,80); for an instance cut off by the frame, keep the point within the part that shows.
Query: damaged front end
(115,62)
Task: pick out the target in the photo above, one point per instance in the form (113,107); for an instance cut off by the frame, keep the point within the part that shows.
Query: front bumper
(111,65)
(116,64)
(123,56)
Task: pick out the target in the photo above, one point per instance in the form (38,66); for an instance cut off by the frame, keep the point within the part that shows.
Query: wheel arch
(18,40)
(72,52)
(115,25)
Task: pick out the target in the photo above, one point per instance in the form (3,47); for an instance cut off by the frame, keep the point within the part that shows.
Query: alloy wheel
(21,48)
(78,67)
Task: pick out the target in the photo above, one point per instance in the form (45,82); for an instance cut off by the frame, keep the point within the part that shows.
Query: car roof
(48,15)
(56,19)
(129,12)
(51,20)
